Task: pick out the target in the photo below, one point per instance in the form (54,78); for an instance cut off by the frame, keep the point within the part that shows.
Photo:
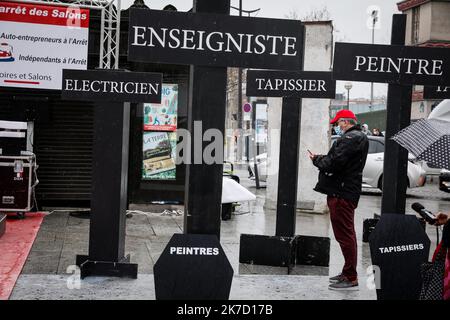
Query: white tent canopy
(234,192)
(442,111)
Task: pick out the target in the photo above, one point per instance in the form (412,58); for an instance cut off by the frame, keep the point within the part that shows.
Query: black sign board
(114,86)
(391,64)
(398,246)
(214,40)
(292,84)
(439,92)
(193,267)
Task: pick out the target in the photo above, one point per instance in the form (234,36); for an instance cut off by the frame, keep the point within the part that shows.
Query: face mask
(338,130)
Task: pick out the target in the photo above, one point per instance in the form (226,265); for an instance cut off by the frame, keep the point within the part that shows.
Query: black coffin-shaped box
(370,224)
(2,224)
(313,251)
(398,247)
(193,267)
(267,250)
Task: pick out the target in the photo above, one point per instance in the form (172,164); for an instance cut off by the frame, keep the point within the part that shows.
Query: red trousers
(342,215)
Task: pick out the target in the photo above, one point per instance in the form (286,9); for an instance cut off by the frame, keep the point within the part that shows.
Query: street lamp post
(348,86)
(240,146)
(374,21)
(239,114)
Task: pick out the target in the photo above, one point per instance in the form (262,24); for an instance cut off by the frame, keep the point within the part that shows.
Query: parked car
(430,170)
(373,171)
(444,181)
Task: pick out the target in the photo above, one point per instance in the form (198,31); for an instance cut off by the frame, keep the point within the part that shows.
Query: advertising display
(159,151)
(163,116)
(37,42)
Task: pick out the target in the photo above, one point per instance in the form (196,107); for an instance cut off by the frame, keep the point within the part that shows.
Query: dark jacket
(341,169)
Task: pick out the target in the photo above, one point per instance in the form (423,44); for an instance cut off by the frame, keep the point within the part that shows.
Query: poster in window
(159,151)
(162,117)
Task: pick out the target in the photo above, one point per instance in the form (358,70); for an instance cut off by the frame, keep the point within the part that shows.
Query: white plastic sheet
(234,192)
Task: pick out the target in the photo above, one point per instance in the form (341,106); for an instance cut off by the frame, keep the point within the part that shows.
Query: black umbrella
(428,140)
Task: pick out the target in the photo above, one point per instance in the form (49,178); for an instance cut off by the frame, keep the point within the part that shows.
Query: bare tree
(321,14)
(315,14)
(293,15)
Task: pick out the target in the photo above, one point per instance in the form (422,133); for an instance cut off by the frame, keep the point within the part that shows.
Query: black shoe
(344,285)
(337,278)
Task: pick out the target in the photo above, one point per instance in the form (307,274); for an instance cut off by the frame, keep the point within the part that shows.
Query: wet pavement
(63,236)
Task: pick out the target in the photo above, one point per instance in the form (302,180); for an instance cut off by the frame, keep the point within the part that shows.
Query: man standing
(340,178)
(365,129)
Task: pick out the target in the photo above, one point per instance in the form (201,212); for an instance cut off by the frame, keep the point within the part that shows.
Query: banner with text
(37,42)
(214,40)
(293,84)
(392,64)
(111,85)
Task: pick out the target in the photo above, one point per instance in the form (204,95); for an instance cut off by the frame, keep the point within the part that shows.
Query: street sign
(393,64)
(107,85)
(247,107)
(293,84)
(439,92)
(214,40)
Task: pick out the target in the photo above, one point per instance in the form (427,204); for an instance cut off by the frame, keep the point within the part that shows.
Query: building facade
(63,133)
(428,25)
(371,113)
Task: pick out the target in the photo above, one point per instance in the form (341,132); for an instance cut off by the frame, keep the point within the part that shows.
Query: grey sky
(349,18)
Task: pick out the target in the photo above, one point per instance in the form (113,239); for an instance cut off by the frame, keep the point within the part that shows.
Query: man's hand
(441,219)
(312,155)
